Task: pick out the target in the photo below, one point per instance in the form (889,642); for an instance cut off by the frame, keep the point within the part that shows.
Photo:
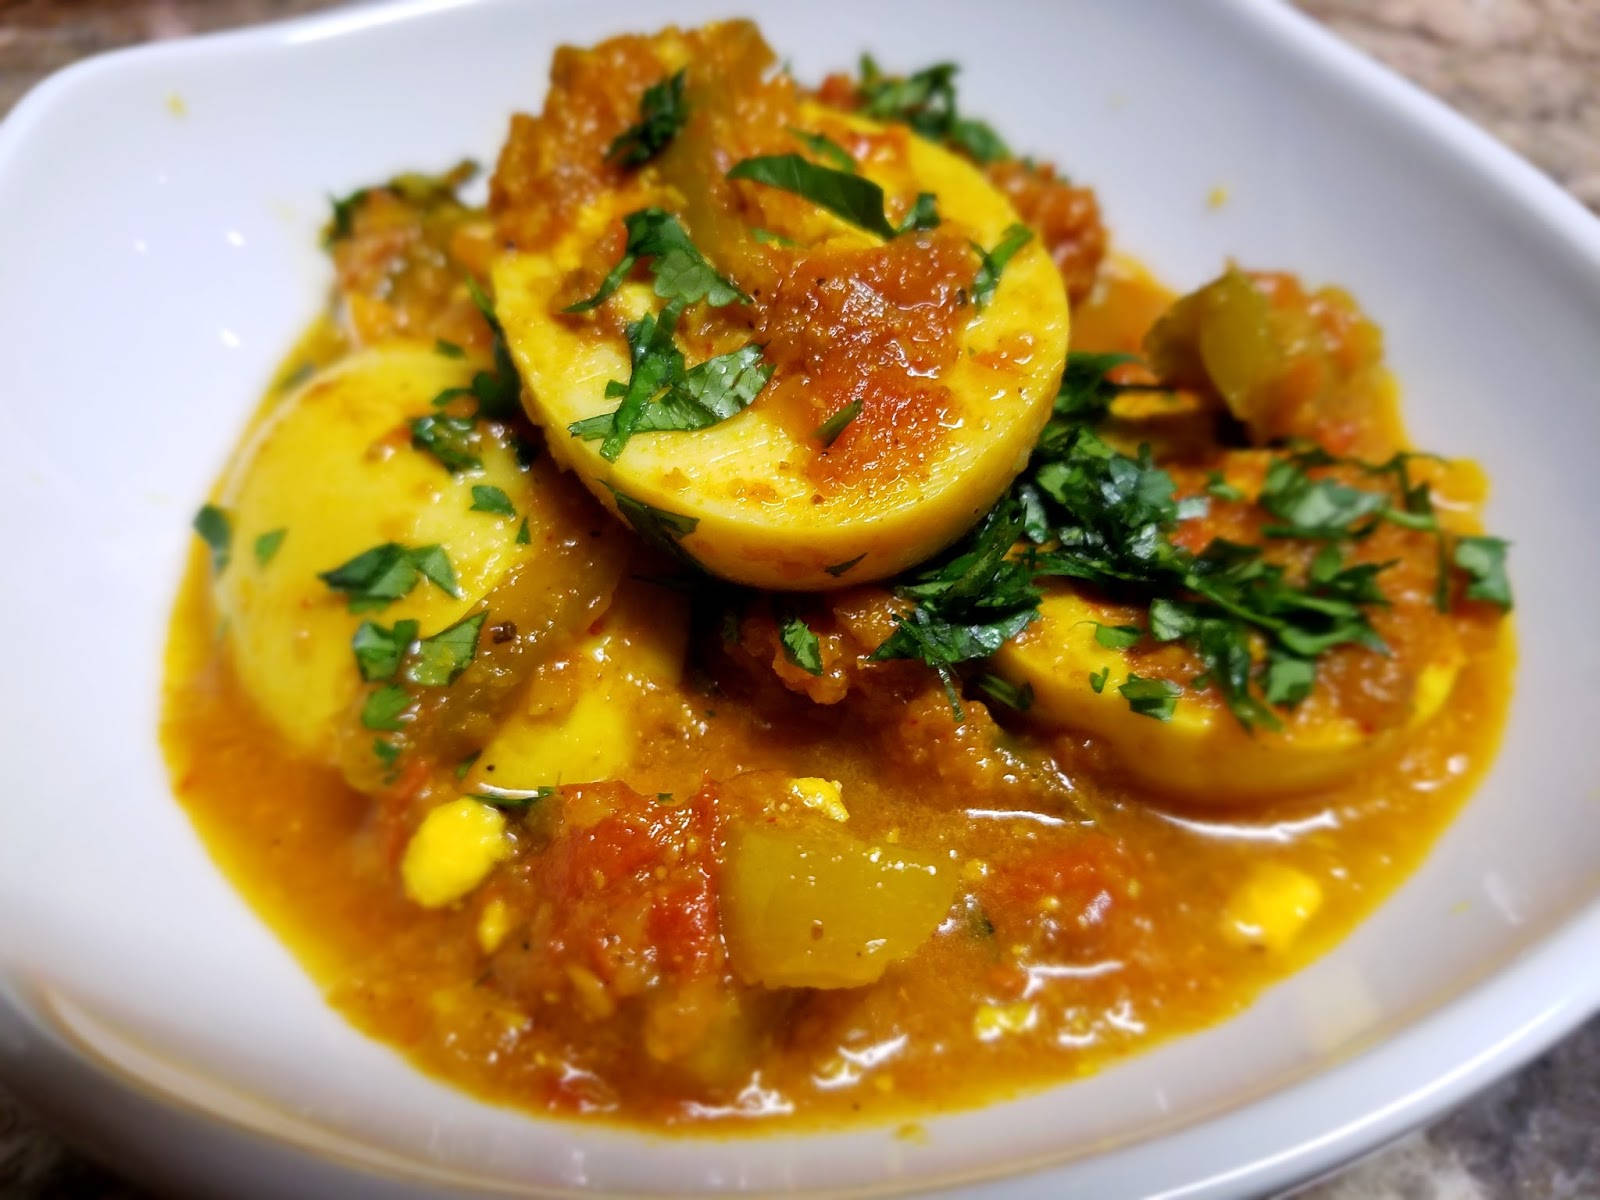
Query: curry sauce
(584,824)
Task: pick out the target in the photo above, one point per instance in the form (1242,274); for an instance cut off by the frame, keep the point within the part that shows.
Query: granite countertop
(1526,70)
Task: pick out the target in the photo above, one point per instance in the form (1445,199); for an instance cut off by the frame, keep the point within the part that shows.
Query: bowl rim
(1511,1014)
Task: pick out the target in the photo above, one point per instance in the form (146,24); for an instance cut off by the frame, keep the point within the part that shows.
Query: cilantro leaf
(378,577)
(1097,680)
(993,262)
(384,707)
(1218,487)
(662,112)
(825,148)
(1484,561)
(448,349)
(852,197)
(706,395)
(682,274)
(828,432)
(1288,679)
(926,101)
(1117,637)
(379,651)
(838,569)
(659,528)
(267,545)
(522,533)
(454,441)
(1086,394)
(440,659)
(1313,508)
(657,362)
(800,645)
(216,531)
(490,499)
(1156,698)
(1003,691)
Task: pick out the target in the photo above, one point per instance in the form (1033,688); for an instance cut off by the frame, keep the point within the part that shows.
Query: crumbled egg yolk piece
(1271,907)
(454,848)
(824,795)
(494,922)
(993,1020)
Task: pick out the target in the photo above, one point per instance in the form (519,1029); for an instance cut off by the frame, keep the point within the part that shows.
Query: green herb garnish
(384,707)
(1484,561)
(267,545)
(662,113)
(828,432)
(448,348)
(378,577)
(442,657)
(1156,698)
(490,499)
(926,101)
(1116,637)
(852,197)
(800,645)
(454,441)
(838,569)
(1003,691)
(993,262)
(699,398)
(379,650)
(682,274)
(659,528)
(824,148)
(1097,680)
(216,531)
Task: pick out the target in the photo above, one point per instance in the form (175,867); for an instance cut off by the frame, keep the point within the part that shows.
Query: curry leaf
(847,195)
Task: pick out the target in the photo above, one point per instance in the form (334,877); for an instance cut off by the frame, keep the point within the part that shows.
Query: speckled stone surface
(1526,70)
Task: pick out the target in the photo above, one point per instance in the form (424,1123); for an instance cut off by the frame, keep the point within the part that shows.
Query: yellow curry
(767,619)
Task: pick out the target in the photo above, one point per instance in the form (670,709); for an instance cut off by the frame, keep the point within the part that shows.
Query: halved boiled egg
(900,409)
(1202,753)
(331,473)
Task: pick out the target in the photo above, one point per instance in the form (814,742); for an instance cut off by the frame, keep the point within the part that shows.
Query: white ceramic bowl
(158,211)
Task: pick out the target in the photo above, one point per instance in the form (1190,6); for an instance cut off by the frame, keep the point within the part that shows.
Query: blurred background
(1528,71)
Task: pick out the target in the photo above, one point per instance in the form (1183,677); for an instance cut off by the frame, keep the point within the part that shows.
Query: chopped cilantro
(838,569)
(824,148)
(992,262)
(662,112)
(1484,561)
(440,659)
(1097,680)
(1156,698)
(699,398)
(448,348)
(454,441)
(490,499)
(384,707)
(1288,679)
(1085,393)
(852,197)
(386,751)
(1314,508)
(767,238)
(828,432)
(379,651)
(378,577)
(659,528)
(926,101)
(682,274)
(267,545)
(1003,691)
(1116,637)
(800,645)
(522,533)
(216,531)
(1219,488)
